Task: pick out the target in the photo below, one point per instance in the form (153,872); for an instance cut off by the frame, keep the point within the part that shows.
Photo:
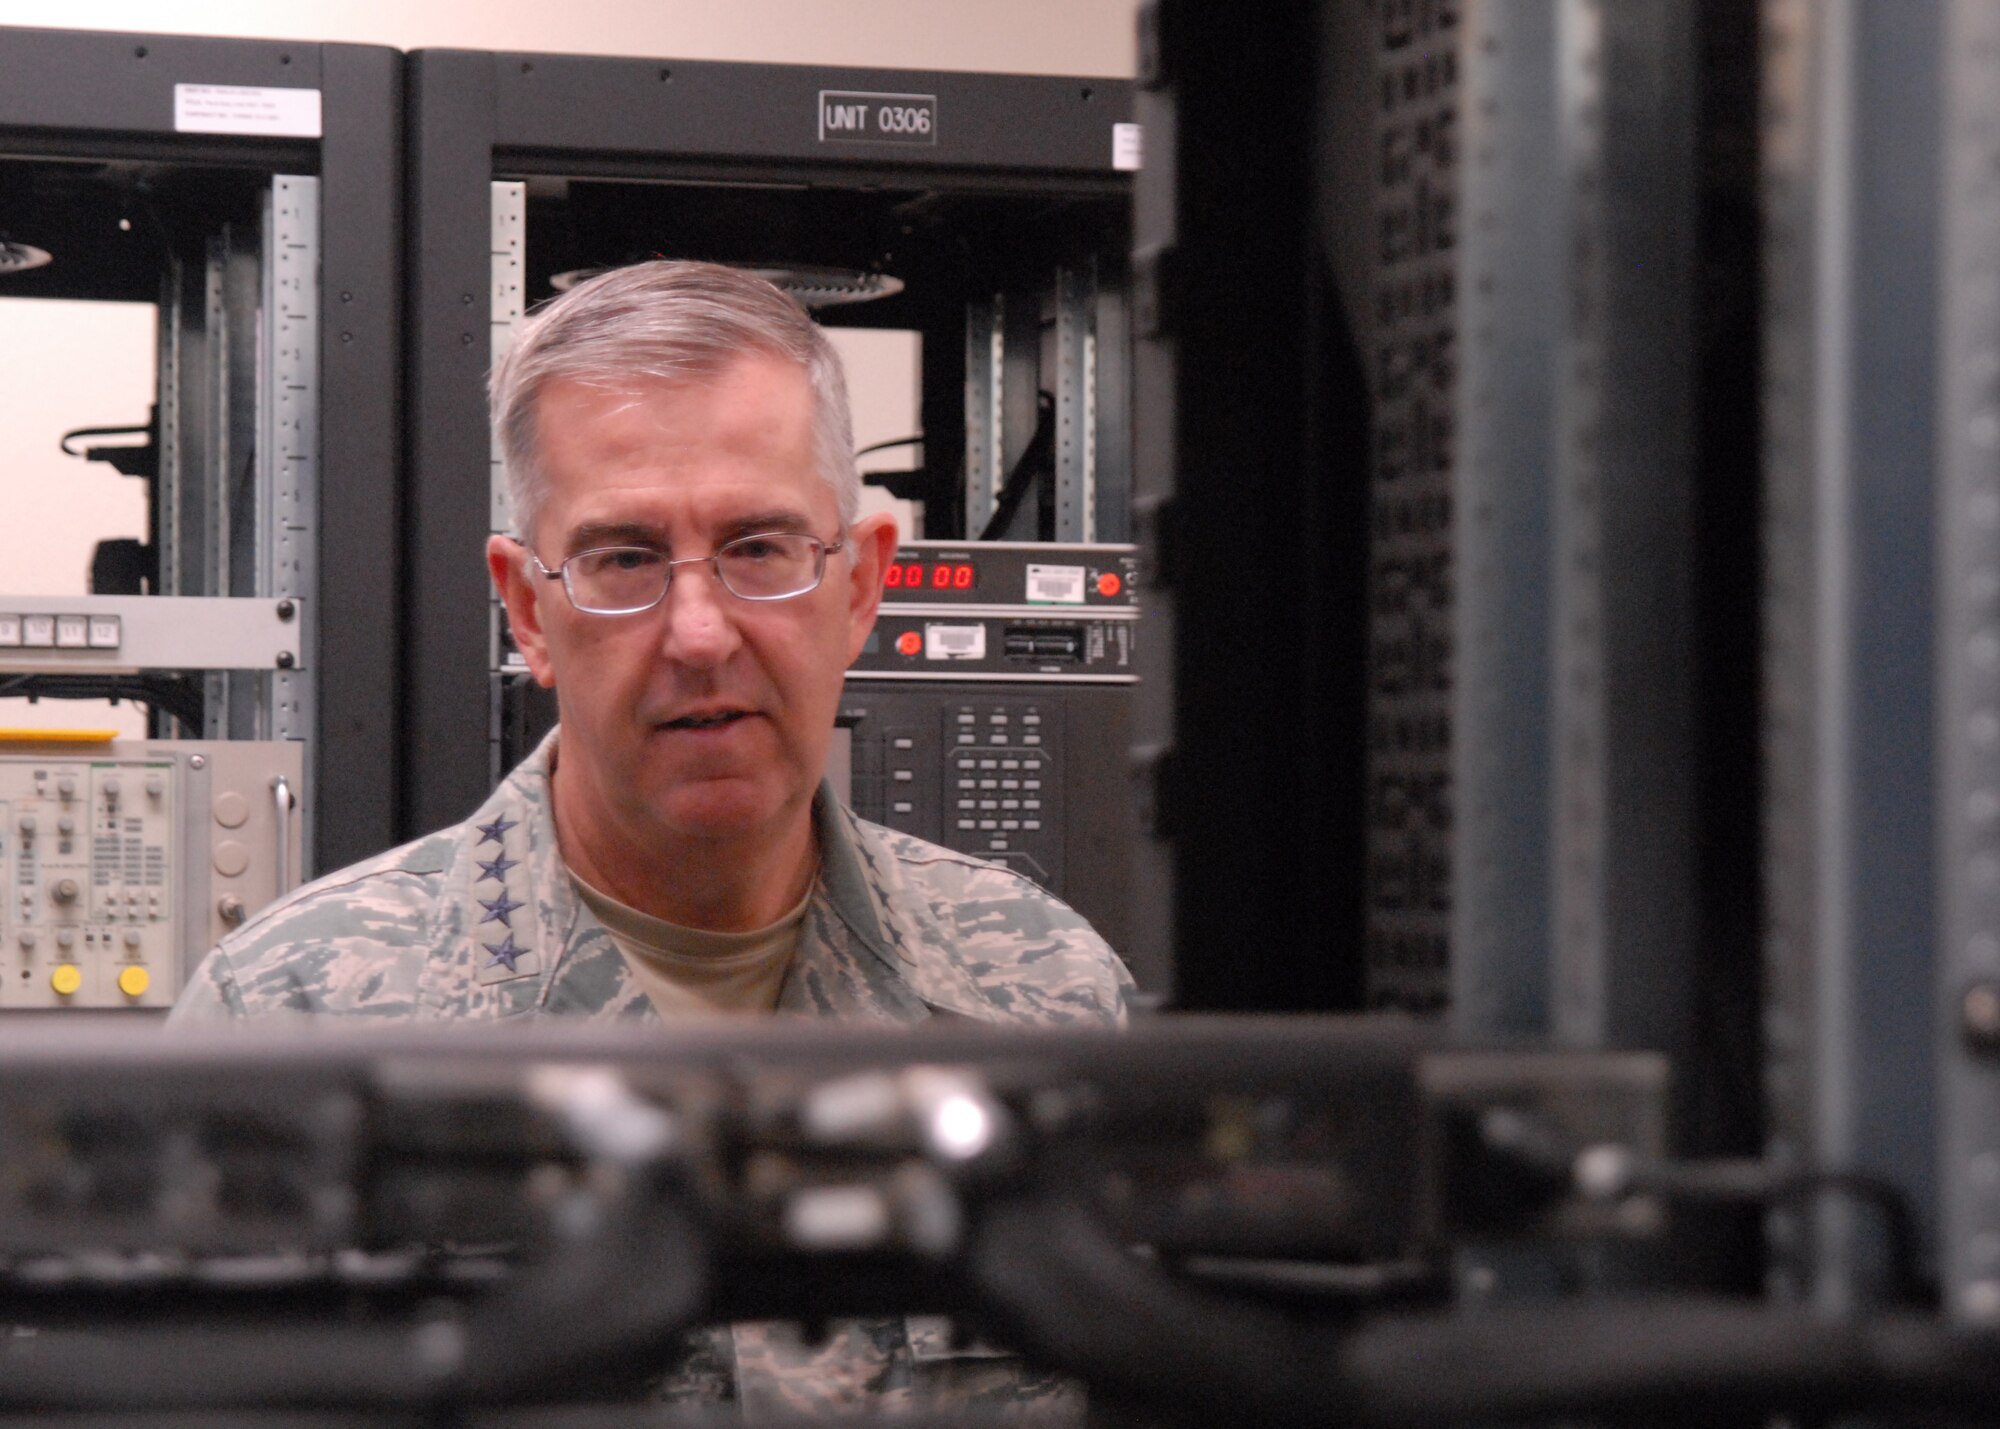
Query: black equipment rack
(100,108)
(624,159)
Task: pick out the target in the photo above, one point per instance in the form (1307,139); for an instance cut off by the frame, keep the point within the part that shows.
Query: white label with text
(954,642)
(1128,146)
(1056,585)
(246,109)
(860,117)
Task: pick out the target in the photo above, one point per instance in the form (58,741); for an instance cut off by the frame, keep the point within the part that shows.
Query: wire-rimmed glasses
(624,580)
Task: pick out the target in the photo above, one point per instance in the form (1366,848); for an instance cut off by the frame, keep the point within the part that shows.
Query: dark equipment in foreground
(260,1226)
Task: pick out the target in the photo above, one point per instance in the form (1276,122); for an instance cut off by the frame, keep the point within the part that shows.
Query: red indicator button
(1108,584)
(910,643)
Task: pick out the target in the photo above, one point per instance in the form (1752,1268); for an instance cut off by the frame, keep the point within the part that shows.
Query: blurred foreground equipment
(1187,1217)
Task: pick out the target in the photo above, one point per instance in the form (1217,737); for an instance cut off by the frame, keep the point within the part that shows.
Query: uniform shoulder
(353,940)
(403,878)
(1031,954)
(952,869)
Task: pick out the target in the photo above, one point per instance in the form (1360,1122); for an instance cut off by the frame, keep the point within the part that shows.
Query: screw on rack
(1979,1017)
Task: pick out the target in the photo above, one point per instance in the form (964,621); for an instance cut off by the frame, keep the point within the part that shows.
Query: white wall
(1023,36)
(68,365)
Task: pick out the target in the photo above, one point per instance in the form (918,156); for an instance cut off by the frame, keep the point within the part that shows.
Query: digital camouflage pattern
(481,922)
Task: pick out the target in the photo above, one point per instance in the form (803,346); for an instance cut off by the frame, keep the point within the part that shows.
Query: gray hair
(663,322)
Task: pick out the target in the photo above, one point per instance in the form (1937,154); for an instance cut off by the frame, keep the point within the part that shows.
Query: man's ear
(522,592)
(873,539)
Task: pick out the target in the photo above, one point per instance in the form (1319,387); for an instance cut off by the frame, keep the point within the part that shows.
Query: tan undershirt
(691,970)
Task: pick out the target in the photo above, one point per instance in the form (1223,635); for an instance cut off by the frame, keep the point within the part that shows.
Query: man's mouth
(706,721)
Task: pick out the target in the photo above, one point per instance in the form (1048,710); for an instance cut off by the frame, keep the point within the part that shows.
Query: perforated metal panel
(1415,329)
(1533,663)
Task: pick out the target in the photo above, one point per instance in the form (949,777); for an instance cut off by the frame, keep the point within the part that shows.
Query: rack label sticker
(1056,585)
(849,116)
(954,642)
(246,109)
(1128,146)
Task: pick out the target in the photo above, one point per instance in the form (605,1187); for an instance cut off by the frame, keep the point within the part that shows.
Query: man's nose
(701,626)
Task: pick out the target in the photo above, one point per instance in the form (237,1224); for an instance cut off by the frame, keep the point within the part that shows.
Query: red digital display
(915,575)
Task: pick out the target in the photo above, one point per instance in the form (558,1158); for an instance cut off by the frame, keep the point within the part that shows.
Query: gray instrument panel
(123,862)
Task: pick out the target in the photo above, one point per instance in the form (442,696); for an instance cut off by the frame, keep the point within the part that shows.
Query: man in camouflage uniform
(692,578)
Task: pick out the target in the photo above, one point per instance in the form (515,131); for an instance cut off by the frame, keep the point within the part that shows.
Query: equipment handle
(281,797)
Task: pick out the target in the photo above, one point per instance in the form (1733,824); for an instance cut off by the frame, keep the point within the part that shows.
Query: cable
(917,440)
(1067,1294)
(1899,1227)
(177,695)
(1055,1283)
(1682,1356)
(604,1308)
(131,459)
(1611,1171)
(1038,457)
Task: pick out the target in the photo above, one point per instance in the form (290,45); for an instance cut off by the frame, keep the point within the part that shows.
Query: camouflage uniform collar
(868,949)
(894,922)
(843,875)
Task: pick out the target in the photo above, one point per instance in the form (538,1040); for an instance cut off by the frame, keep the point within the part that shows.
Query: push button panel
(1006,782)
(1044,769)
(87,856)
(977,772)
(122,864)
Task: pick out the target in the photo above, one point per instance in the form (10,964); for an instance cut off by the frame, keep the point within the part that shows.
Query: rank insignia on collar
(496,869)
(499,910)
(495,832)
(505,960)
(506,952)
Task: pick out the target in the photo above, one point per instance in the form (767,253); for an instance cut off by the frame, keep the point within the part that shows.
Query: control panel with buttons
(1030,777)
(1032,612)
(989,710)
(123,863)
(39,634)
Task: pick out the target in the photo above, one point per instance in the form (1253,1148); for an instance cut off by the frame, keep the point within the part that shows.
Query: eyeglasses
(624,580)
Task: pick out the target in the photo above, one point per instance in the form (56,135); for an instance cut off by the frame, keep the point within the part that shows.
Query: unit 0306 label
(857,116)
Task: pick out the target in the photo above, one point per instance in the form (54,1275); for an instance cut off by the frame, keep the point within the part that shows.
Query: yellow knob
(66,979)
(134,981)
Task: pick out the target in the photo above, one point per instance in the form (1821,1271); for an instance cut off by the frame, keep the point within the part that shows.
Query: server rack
(250,190)
(989,712)
(1470,409)
(1458,378)
(1250,430)
(1851,143)
(1968,624)
(1678,355)
(1000,205)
